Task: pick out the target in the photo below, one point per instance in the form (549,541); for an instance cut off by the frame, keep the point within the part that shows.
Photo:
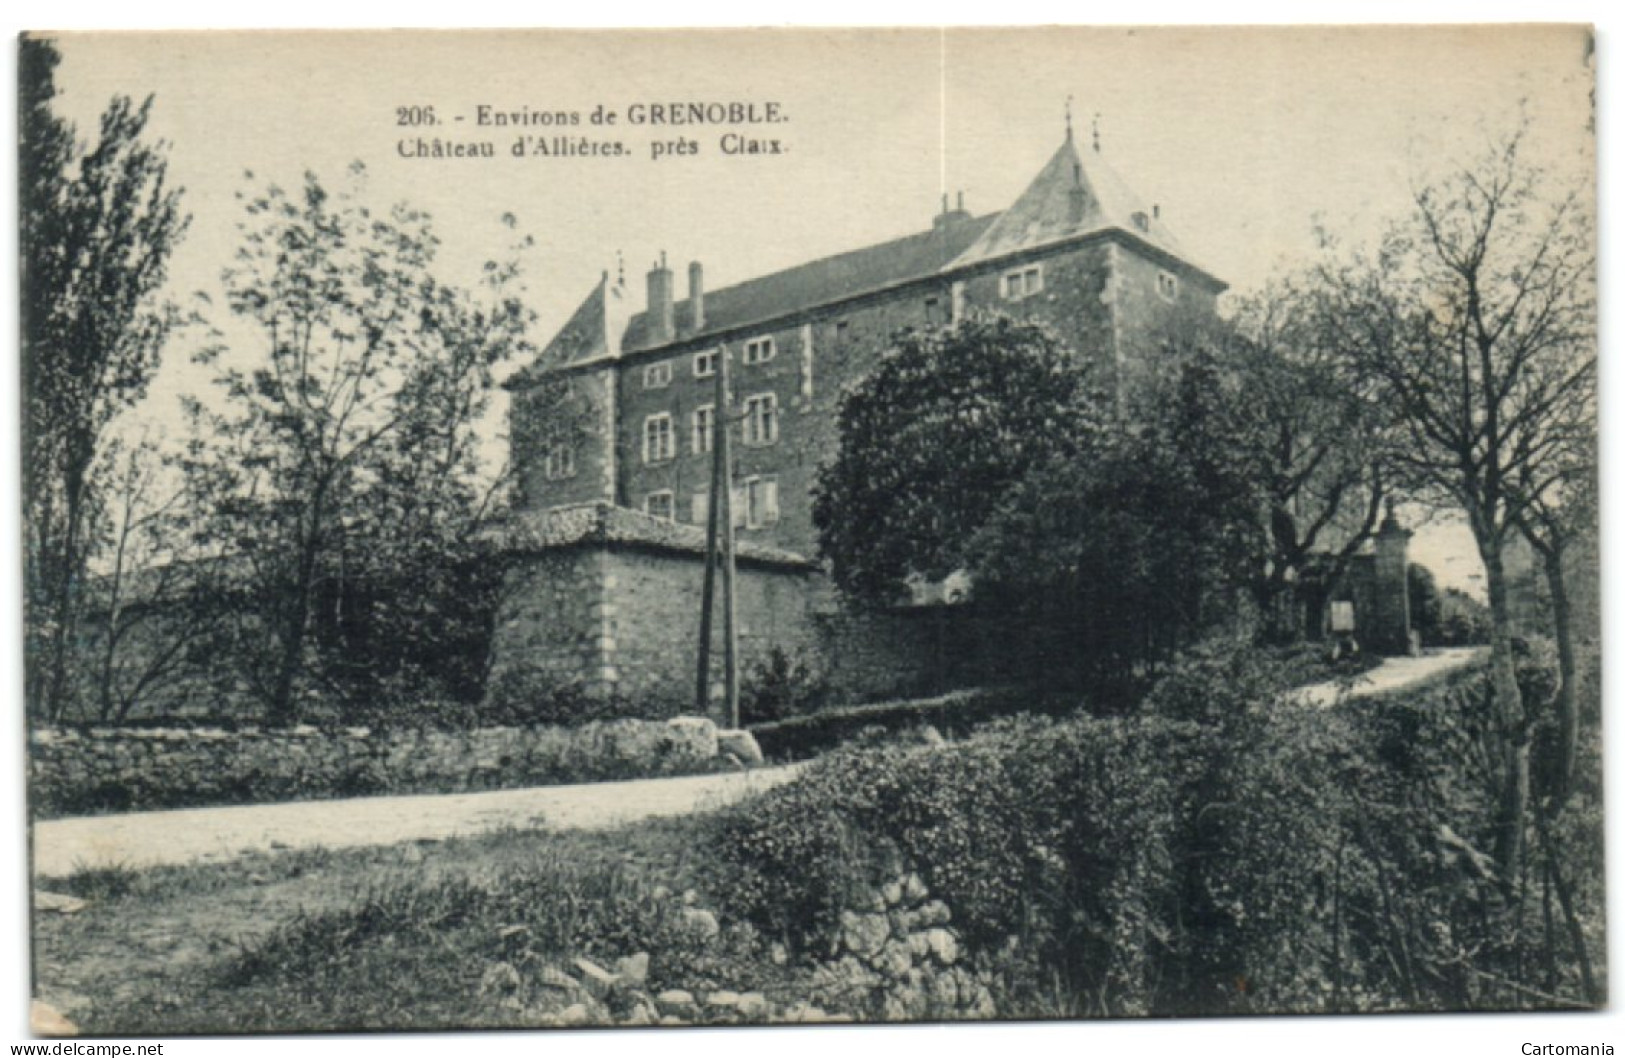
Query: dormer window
(1167,285)
(1023,282)
(657,376)
(705,364)
(1141,221)
(759,350)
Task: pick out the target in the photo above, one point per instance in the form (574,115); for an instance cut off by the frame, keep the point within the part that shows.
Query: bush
(781,685)
(1218,852)
(524,696)
(954,713)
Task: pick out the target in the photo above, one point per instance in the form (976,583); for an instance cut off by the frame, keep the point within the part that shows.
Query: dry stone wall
(106,770)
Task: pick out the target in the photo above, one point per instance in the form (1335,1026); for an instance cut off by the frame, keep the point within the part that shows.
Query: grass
(99,882)
(402,937)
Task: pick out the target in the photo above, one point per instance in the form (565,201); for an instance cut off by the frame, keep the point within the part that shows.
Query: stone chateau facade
(608,542)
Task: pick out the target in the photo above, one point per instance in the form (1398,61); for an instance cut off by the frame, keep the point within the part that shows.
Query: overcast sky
(1246,138)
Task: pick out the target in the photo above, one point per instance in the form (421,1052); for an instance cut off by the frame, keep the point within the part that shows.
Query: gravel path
(144,839)
(1392,675)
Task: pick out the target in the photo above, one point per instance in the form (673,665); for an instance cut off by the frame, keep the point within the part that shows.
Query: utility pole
(719,549)
(702,680)
(730,627)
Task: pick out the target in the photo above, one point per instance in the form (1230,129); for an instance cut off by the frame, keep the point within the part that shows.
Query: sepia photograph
(560,529)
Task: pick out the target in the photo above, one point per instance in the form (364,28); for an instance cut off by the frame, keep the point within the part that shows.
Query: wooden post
(702,679)
(730,640)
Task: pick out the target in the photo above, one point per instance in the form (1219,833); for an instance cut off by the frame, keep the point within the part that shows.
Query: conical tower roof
(1076,193)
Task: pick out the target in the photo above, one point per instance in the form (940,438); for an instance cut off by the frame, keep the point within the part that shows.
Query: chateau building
(612,428)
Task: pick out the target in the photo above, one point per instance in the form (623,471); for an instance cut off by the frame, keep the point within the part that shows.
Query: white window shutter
(770,502)
(700,508)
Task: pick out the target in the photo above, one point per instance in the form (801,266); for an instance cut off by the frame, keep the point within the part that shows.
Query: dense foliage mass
(931,440)
(1215,853)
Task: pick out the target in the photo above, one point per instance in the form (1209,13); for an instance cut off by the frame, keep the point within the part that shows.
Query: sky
(1247,139)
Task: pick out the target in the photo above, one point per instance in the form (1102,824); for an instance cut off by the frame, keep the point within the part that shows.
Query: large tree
(932,439)
(1140,537)
(97,228)
(346,454)
(1321,438)
(1478,316)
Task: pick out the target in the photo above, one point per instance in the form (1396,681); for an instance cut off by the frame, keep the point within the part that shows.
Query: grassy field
(416,936)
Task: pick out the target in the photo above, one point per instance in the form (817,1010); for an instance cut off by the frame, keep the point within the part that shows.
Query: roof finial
(1096,131)
(1069,118)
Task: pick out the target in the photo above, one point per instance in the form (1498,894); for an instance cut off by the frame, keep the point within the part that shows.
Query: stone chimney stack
(696,296)
(660,304)
(950,218)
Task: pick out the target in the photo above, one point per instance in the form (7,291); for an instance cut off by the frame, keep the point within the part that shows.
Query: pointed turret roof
(1076,193)
(588,335)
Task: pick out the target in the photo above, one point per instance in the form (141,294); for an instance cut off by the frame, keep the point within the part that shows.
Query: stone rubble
(895,959)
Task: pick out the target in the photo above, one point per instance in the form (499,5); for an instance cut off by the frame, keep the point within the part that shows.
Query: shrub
(781,685)
(524,696)
(1220,851)
(954,713)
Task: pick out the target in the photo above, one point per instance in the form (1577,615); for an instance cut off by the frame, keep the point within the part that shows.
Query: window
(559,463)
(700,507)
(762,419)
(702,428)
(761,502)
(657,439)
(1167,285)
(659,505)
(1023,282)
(932,315)
(656,376)
(759,350)
(705,364)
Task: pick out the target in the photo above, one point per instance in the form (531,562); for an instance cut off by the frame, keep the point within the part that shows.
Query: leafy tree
(1322,443)
(98,225)
(1139,540)
(1560,513)
(1478,318)
(1427,605)
(932,440)
(983,448)
(343,473)
(152,605)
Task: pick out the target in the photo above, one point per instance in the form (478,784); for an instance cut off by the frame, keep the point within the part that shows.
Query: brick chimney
(696,296)
(950,218)
(660,305)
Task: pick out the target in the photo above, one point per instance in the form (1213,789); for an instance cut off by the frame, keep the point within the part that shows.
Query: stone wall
(621,621)
(624,622)
(74,772)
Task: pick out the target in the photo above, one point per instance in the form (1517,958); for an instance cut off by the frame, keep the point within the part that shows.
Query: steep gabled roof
(1076,193)
(583,337)
(823,281)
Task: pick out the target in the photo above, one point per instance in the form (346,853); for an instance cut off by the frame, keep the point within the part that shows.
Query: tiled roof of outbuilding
(530,531)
